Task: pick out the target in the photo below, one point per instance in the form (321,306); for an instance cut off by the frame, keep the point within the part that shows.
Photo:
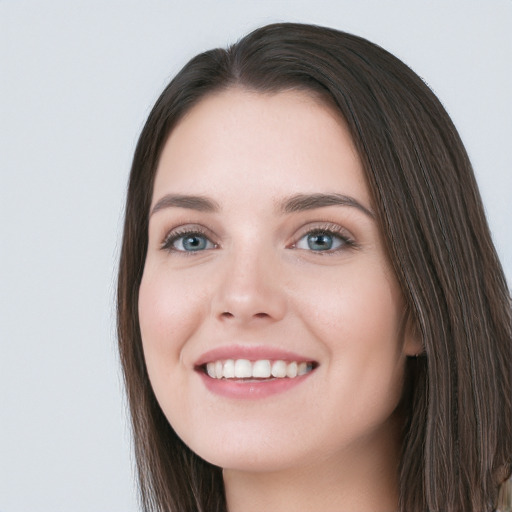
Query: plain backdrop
(77,80)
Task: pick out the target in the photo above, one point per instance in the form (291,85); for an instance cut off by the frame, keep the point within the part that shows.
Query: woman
(312,315)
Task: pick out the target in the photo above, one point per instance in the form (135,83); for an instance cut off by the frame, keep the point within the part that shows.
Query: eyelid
(327,228)
(183,230)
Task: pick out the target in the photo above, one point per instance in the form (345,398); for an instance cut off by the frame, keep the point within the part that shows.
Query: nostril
(227,314)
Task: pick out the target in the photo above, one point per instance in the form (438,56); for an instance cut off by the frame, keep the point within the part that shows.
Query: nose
(249,290)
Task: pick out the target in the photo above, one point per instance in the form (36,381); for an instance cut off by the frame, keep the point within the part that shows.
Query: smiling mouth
(262,369)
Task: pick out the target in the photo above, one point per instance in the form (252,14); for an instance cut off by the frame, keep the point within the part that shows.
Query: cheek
(169,313)
(358,317)
(359,308)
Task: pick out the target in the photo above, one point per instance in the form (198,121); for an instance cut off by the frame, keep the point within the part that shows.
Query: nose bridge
(249,287)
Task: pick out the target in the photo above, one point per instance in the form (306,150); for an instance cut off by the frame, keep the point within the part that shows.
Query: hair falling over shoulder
(457,441)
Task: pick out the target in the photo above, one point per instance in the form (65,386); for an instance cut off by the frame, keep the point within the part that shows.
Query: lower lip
(250,389)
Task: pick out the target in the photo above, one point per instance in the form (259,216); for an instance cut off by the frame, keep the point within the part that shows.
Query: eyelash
(181,233)
(332,230)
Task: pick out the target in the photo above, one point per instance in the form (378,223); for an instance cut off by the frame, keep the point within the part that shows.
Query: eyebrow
(296,203)
(302,202)
(199,203)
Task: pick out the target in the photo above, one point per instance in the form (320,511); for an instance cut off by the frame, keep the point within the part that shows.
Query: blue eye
(319,241)
(188,242)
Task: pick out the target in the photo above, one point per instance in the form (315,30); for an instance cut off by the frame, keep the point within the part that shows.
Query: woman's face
(265,259)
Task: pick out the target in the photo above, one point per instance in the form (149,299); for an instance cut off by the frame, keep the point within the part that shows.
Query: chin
(251,459)
(246,448)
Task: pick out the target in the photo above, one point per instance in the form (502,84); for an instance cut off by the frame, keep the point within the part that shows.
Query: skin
(332,442)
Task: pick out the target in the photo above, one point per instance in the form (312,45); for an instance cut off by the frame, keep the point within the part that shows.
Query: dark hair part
(457,444)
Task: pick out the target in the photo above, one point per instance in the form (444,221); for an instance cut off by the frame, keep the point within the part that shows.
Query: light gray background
(77,80)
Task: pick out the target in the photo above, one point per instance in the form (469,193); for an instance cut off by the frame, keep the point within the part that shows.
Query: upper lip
(251,352)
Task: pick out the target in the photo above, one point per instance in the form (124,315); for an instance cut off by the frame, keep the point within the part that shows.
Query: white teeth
(218,369)
(261,369)
(210,370)
(279,369)
(243,369)
(229,369)
(291,370)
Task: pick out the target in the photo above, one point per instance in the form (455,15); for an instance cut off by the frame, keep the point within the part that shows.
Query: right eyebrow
(199,203)
(302,202)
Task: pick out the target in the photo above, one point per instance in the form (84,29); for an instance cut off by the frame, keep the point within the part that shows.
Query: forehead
(281,142)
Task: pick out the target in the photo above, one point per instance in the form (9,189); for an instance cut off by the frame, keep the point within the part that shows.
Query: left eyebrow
(302,202)
(199,203)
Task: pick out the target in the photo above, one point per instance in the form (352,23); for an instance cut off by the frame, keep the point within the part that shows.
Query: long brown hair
(457,443)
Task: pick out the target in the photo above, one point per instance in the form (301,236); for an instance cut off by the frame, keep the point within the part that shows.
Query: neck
(362,478)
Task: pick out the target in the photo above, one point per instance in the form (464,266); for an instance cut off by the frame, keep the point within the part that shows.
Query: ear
(413,342)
